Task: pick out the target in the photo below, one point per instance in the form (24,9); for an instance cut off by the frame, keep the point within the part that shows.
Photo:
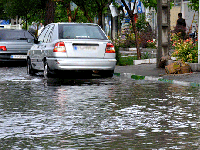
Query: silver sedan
(14,44)
(72,47)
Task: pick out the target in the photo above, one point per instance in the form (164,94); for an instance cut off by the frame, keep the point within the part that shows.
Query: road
(98,113)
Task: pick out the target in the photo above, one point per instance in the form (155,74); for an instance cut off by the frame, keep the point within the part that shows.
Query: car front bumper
(81,64)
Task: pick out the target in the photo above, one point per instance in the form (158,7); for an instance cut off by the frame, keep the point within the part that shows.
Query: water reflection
(113,113)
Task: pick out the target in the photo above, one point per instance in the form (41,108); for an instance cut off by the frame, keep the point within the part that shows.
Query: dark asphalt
(153,71)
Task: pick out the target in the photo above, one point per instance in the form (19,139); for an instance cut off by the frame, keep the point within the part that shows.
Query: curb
(151,78)
(145,61)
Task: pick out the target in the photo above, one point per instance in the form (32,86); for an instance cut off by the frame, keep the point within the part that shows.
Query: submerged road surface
(98,113)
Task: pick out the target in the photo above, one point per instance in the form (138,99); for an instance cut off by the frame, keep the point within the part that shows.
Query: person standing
(181,25)
(40,27)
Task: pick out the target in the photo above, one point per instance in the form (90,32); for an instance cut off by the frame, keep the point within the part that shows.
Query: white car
(69,47)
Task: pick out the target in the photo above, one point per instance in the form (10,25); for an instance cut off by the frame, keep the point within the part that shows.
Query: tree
(93,8)
(27,9)
(50,11)
(194,4)
(86,6)
(2,12)
(132,16)
(150,3)
(63,8)
(24,9)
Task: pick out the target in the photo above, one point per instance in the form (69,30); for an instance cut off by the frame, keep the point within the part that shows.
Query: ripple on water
(98,115)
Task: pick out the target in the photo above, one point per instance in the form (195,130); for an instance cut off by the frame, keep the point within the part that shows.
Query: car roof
(12,30)
(75,23)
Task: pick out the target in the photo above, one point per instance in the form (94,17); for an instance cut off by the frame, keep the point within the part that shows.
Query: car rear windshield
(15,35)
(80,31)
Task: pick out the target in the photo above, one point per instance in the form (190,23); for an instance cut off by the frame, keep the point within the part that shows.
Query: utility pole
(199,37)
(114,21)
(163,19)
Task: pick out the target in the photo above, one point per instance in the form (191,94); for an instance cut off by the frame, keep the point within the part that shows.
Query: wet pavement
(150,70)
(98,113)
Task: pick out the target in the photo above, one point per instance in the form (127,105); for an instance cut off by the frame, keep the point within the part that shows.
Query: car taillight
(3,48)
(59,47)
(110,48)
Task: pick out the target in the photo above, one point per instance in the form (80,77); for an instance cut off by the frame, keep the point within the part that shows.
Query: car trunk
(87,49)
(16,46)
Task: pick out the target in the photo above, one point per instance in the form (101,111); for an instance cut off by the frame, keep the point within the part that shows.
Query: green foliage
(151,44)
(2,12)
(35,10)
(186,50)
(141,23)
(145,31)
(125,41)
(124,61)
(21,8)
(26,9)
(150,3)
(153,3)
(118,55)
(93,8)
(61,13)
(194,4)
(145,55)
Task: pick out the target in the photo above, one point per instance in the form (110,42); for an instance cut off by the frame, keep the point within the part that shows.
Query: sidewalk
(150,70)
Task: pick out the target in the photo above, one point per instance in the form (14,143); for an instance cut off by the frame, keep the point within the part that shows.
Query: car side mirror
(36,41)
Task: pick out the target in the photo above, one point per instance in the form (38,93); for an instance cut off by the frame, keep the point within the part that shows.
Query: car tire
(30,69)
(46,70)
(107,73)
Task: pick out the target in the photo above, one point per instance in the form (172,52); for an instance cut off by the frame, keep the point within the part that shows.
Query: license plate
(87,48)
(18,56)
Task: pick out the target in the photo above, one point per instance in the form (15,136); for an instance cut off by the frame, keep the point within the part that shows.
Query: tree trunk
(136,37)
(75,14)
(100,18)
(131,15)
(50,12)
(69,14)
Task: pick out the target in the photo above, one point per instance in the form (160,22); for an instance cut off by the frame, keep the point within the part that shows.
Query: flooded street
(109,113)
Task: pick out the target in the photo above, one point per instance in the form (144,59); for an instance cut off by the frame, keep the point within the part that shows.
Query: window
(80,31)
(49,34)
(43,34)
(15,35)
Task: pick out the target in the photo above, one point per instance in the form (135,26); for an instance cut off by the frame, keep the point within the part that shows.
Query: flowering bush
(186,50)
(151,44)
(125,41)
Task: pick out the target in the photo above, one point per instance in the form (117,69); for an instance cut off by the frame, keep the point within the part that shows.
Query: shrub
(186,50)
(146,55)
(145,32)
(118,55)
(125,41)
(123,61)
(151,44)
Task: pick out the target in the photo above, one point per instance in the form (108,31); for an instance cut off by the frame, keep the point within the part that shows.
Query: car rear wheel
(30,69)
(107,73)
(46,70)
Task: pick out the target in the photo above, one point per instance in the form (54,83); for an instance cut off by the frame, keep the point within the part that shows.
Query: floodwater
(112,113)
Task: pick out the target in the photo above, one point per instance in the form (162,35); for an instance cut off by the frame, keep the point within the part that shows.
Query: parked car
(72,47)
(14,44)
